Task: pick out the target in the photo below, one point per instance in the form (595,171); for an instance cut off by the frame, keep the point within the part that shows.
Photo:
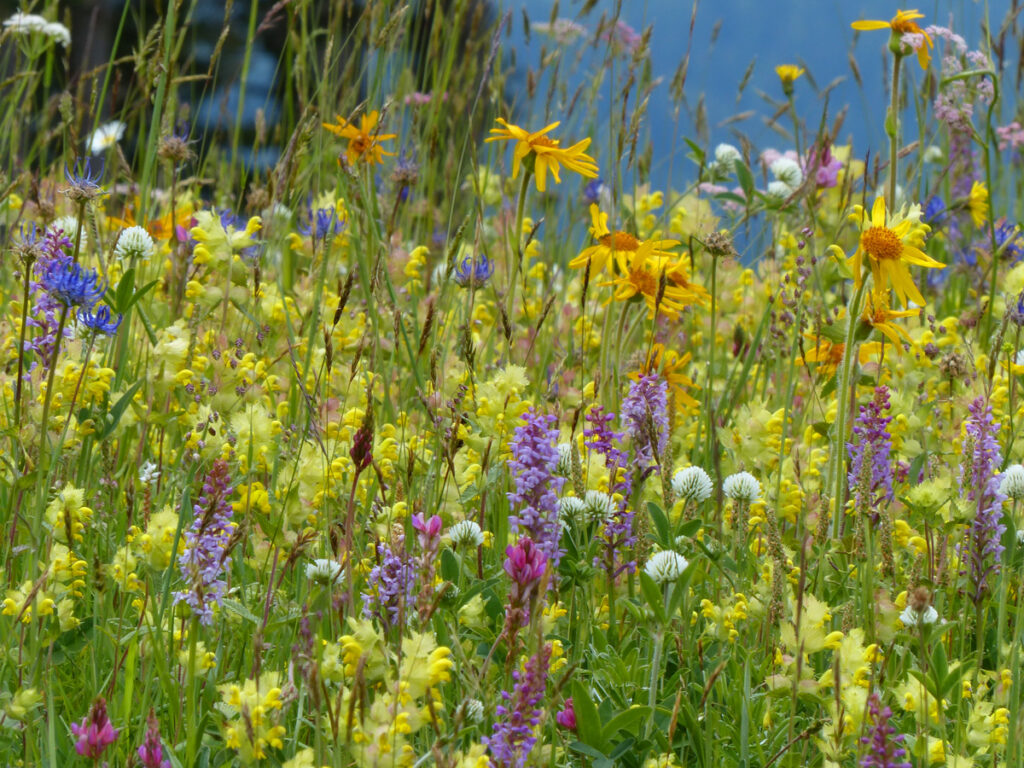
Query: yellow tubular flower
(977,203)
(547,154)
(364,141)
(901,24)
(891,245)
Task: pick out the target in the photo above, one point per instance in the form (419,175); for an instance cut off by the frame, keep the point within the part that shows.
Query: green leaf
(916,466)
(238,609)
(588,721)
(689,720)
(836,332)
(745,178)
(821,427)
(449,566)
(119,407)
(627,721)
(583,749)
(660,523)
(698,153)
(653,594)
(124,290)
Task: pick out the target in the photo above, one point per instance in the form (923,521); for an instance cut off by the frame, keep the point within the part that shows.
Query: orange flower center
(620,241)
(882,243)
(543,141)
(644,282)
(902,27)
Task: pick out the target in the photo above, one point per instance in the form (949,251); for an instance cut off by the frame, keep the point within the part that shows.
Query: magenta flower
(151,753)
(567,717)
(525,563)
(94,733)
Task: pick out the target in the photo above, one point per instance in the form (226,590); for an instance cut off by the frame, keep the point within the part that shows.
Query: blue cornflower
(98,320)
(592,192)
(71,285)
(323,223)
(934,211)
(406,173)
(474,270)
(85,183)
(1008,231)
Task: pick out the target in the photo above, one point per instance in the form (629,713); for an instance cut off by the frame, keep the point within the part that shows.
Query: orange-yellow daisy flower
(641,275)
(547,154)
(890,245)
(901,24)
(828,355)
(602,255)
(879,313)
(364,141)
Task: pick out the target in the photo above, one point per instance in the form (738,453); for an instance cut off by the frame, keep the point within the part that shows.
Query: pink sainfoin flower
(151,753)
(95,733)
(567,717)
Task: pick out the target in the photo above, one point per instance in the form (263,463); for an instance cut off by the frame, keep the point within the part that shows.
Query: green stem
(191,726)
(892,128)
(21,347)
(652,690)
(43,428)
(515,247)
(843,400)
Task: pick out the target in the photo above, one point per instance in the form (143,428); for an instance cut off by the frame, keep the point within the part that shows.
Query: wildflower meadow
(413,411)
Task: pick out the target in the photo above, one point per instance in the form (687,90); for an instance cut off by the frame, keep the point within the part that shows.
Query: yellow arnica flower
(878,312)
(547,154)
(901,24)
(641,275)
(364,141)
(977,203)
(891,245)
(602,255)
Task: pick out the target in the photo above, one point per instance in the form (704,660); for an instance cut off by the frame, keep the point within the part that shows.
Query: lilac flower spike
(206,554)
(535,499)
(871,442)
(980,483)
(645,413)
(884,750)
(519,714)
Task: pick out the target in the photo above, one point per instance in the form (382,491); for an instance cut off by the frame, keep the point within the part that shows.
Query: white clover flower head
(742,486)
(148,473)
(466,533)
(571,509)
(787,171)
(778,190)
(471,711)
(726,154)
(692,484)
(933,154)
(104,137)
(69,226)
(1011,482)
(666,566)
(912,618)
(598,506)
(324,571)
(134,243)
(564,466)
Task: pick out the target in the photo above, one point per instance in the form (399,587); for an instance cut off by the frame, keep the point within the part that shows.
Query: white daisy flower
(105,137)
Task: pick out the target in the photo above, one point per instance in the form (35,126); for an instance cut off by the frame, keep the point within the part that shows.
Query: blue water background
(815,34)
